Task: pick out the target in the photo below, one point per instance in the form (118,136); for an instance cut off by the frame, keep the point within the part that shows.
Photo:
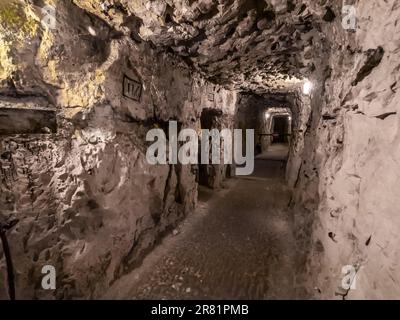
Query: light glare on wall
(307,87)
(91,31)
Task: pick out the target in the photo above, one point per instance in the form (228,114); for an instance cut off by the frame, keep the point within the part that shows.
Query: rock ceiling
(249,45)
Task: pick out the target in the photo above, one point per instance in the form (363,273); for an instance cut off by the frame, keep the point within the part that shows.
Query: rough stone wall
(85,198)
(213,175)
(248,115)
(71,190)
(353,166)
(301,112)
(251,45)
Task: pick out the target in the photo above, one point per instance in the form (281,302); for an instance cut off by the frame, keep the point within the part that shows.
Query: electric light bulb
(307,87)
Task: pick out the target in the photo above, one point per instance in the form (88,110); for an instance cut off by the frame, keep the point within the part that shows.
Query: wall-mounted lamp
(91,31)
(267,116)
(307,87)
(290,118)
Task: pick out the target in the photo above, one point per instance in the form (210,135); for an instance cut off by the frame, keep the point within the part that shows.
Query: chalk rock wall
(251,45)
(249,113)
(353,168)
(84,198)
(213,175)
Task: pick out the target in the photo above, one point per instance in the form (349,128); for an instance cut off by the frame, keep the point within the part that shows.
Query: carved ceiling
(249,45)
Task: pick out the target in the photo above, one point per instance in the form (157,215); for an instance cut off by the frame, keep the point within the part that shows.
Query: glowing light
(267,116)
(91,31)
(307,87)
(290,118)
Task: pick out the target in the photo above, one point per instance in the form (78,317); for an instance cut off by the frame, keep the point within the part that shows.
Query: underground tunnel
(202,149)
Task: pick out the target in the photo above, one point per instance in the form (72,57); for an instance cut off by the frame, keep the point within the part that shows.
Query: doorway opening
(281,129)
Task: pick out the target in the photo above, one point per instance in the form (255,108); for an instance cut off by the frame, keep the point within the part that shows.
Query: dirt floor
(238,244)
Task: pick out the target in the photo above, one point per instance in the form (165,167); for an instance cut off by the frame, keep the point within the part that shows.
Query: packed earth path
(238,244)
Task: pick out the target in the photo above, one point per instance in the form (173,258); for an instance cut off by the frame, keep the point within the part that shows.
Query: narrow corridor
(237,245)
(120,122)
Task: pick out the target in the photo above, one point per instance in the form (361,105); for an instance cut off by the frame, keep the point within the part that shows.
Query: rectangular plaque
(132,89)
